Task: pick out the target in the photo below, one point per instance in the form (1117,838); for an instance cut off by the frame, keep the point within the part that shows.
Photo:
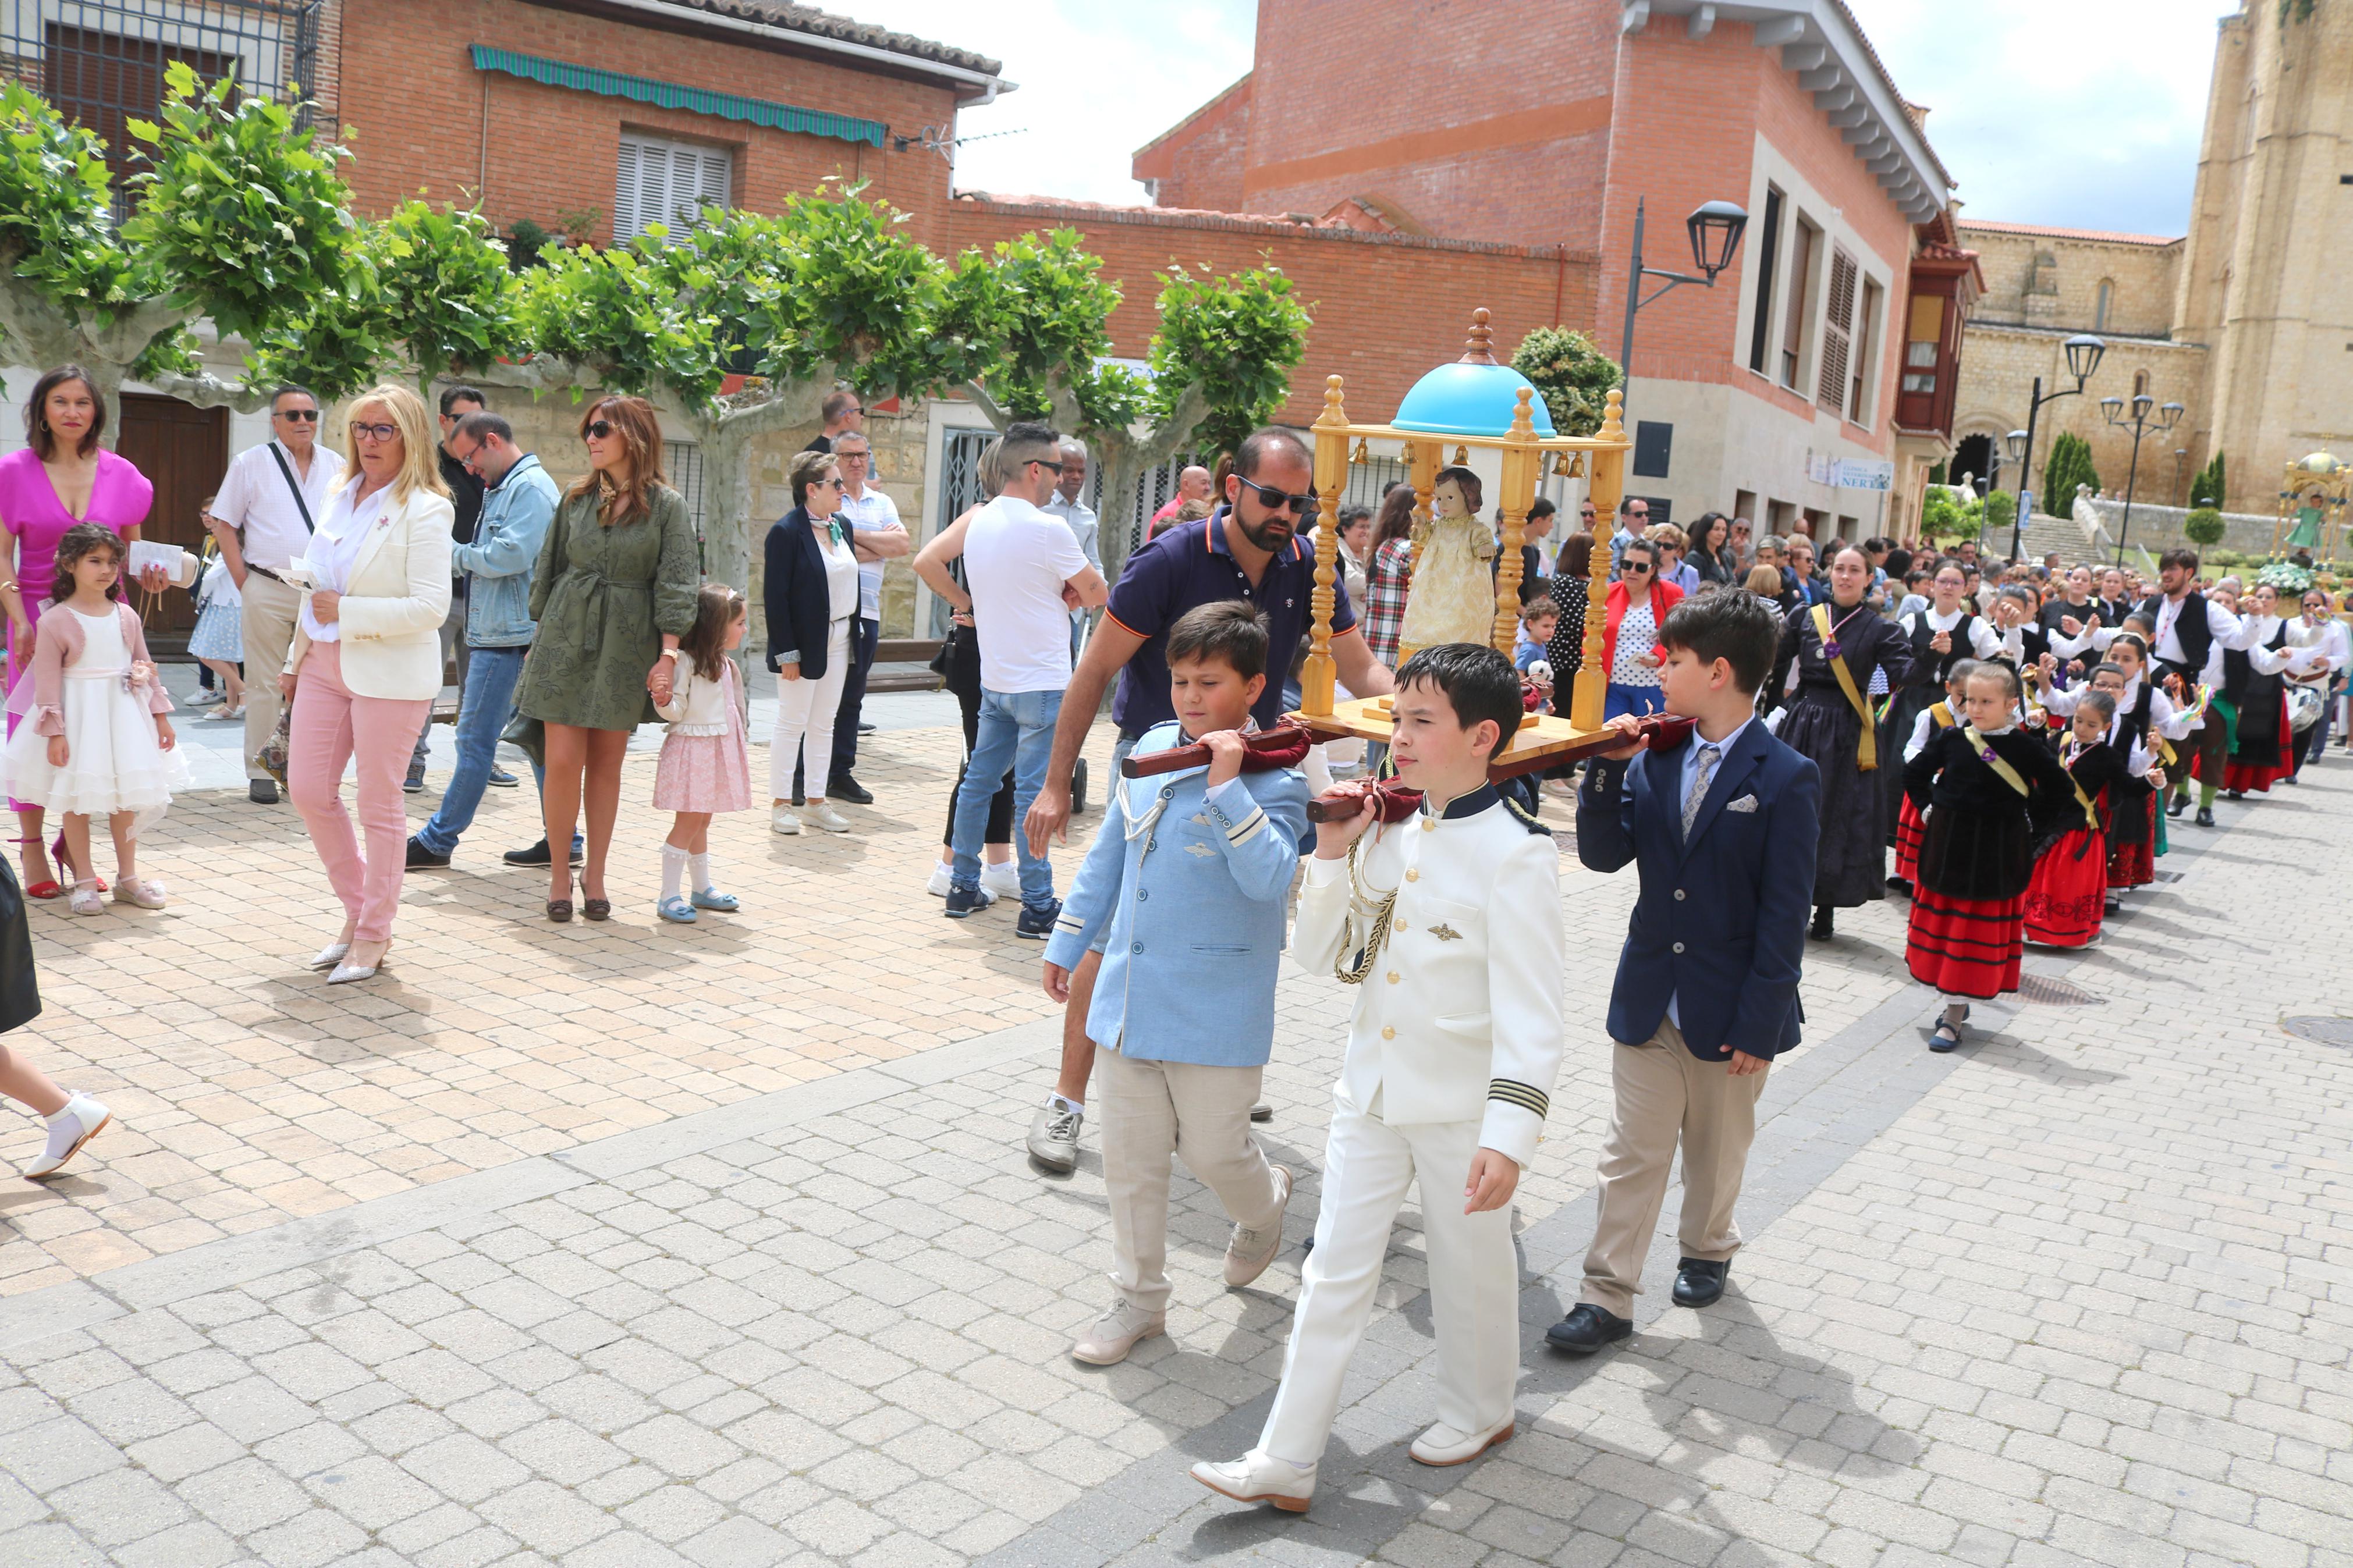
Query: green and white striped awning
(674,95)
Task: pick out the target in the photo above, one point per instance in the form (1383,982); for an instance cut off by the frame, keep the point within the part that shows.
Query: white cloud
(2081,112)
(1097,81)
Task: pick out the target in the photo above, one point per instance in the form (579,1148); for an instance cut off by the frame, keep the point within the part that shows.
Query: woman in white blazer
(365,664)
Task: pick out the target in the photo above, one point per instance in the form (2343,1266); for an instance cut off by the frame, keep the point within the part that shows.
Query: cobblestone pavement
(2077,1293)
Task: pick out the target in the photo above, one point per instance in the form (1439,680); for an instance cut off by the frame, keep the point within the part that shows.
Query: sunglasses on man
(1284,501)
(298,416)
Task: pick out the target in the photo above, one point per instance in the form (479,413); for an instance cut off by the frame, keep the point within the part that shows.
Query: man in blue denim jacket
(517,507)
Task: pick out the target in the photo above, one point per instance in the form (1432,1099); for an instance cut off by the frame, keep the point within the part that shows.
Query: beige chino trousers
(1150,1111)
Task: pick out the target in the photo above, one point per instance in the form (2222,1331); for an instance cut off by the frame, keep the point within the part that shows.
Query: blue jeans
(1635,699)
(1016,730)
(482,714)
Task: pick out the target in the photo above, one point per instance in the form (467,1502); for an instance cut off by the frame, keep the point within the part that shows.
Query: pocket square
(1746,803)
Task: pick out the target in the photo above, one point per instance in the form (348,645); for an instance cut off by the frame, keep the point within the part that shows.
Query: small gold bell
(1462,456)
(1360,457)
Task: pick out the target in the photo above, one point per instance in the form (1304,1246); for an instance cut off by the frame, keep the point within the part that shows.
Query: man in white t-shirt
(1024,573)
(271,498)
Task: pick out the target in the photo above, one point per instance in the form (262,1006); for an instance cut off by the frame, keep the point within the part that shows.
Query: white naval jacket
(1459,1019)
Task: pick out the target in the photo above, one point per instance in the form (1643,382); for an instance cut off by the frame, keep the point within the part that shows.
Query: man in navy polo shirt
(1250,548)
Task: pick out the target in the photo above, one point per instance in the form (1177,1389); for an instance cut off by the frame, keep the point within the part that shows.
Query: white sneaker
(782,820)
(1054,1137)
(1443,1445)
(1249,1251)
(938,885)
(1002,878)
(822,815)
(1258,1477)
(78,1121)
(1108,1343)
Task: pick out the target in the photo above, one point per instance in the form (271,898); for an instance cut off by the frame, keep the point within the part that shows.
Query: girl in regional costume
(1834,647)
(2068,898)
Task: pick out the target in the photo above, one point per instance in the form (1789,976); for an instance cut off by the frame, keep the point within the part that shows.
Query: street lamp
(2083,352)
(2168,415)
(1715,228)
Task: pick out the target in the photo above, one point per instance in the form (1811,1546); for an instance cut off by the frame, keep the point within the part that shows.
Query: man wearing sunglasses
(271,498)
(1253,547)
(844,413)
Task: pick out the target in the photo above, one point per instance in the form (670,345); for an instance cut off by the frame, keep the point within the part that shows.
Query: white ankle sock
(698,870)
(673,870)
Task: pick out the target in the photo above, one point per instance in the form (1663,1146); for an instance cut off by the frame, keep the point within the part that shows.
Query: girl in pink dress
(705,768)
(63,477)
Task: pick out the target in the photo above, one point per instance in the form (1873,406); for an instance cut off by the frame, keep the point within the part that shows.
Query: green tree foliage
(2210,484)
(2001,511)
(1572,376)
(1942,517)
(2069,465)
(2204,526)
(1237,338)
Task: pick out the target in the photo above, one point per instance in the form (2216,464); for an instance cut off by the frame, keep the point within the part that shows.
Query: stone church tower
(2266,281)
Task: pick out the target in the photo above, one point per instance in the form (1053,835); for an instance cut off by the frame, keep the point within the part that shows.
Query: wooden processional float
(1474,402)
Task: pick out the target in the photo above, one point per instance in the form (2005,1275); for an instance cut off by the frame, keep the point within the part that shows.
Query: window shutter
(668,183)
(1837,332)
(625,194)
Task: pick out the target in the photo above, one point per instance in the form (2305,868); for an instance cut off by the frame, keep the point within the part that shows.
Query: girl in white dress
(100,744)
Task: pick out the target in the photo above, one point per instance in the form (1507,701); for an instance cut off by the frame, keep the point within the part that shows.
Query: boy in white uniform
(1450,922)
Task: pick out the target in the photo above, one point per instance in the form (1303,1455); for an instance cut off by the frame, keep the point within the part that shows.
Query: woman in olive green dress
(614,591)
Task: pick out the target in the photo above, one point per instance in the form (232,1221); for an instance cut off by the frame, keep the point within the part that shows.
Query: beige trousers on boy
(1150,1111)
(1664,1093)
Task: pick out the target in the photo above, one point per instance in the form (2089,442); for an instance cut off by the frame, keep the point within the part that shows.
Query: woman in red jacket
(1629,638)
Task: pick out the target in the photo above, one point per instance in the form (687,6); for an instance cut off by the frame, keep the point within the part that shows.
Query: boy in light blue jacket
(1186,890)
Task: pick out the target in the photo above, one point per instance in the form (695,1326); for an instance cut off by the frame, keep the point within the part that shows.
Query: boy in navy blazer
(1724,829)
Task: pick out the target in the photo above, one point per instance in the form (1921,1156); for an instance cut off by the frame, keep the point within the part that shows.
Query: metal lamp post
(1716,229)
(2168,415)
(2083,352)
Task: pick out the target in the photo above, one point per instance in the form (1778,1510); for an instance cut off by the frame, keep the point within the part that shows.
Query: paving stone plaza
(633,1245)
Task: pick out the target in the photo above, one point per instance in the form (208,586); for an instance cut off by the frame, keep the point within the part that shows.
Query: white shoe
(1249,1251)
(85,900)
(77,1120)
(1443,1445)
(1257,1477)
(140,892)
(349,974)
(1108,1343)
(822,815)
(938,885)
(1054,1137)
(782,820)
(331,955)
(1001,878)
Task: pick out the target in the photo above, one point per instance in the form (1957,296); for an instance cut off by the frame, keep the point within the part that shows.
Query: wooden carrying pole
(1609,486)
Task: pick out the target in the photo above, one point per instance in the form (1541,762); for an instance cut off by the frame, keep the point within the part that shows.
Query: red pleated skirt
(2134,865)
(1909,830)
(2256,777)
(2070,891)
(1965,947)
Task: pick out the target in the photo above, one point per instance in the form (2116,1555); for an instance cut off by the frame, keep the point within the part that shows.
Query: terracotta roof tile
(2108,236)
(826,25)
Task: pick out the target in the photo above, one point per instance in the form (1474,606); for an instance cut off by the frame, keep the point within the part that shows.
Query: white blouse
(336,549)
(841,574)
(1638,636)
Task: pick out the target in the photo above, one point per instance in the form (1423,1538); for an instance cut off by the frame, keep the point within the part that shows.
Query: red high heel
(48,887)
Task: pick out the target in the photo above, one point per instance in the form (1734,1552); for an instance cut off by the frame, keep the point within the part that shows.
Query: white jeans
(1473,1279)
(1152,1111)
(806,708)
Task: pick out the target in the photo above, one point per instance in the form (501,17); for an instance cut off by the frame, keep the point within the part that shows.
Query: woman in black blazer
(811,599)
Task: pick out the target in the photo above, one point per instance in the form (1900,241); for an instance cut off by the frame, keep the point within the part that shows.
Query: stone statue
(1452,598)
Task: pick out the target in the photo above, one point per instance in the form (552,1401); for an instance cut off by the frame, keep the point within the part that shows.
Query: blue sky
(2079,112)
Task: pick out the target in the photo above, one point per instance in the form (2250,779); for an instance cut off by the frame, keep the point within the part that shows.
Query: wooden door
(183,452)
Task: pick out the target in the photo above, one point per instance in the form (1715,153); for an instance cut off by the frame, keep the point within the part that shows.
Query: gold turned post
(1521,460)
(1608,486)
(1317,679)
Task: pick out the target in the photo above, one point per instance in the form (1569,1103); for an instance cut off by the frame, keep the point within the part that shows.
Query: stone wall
(2051,279)
(1999,364)
(2157,529)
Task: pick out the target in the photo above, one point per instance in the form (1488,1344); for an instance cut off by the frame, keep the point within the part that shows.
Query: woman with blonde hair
(365,663)
(614,591)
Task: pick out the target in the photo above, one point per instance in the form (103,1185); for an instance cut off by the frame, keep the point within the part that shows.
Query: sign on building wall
(1849,473)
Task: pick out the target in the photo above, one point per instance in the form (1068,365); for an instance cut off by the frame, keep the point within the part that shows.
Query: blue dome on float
(1473,397)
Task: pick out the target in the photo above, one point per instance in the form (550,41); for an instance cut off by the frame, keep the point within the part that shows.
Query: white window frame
(658,179)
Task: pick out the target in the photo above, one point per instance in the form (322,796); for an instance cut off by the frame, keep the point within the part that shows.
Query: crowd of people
(2017,735)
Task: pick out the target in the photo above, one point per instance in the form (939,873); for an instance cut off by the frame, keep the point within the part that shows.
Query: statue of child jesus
(1452,596)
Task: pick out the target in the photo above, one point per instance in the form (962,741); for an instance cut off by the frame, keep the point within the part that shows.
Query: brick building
(1829,346)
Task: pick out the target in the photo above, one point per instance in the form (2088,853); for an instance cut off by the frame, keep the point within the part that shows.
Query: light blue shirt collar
(1691,759)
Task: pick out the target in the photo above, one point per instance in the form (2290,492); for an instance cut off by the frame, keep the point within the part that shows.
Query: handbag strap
(300,505)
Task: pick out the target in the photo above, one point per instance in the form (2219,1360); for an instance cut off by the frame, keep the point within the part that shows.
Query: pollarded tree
(826,289)
(1572,376)
(241,217)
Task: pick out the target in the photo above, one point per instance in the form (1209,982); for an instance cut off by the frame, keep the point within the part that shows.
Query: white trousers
(1473,1279)
(1151,1112)
(806,708)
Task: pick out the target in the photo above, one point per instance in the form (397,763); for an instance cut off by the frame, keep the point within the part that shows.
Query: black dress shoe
(1821,930)
(841,787)
(422,859)
(536,856)
(1700,1283)
(1588,1329)
(2205,817)
(2179,804)
(262,792)
(864,728)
